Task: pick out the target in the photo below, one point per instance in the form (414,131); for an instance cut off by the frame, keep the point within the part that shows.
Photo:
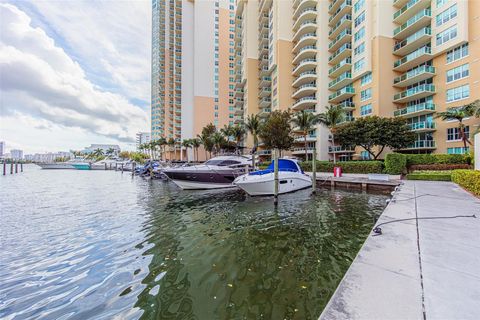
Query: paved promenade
(416,269)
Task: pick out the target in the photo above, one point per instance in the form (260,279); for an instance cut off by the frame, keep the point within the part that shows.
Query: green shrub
(395,163)
(437,167)
(430,175)
(468,179)
(414,159)
(347,166)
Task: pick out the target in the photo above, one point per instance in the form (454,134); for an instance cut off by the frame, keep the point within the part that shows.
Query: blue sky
(74,73)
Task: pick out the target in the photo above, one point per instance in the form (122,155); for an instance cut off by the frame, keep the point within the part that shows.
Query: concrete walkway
(424,270)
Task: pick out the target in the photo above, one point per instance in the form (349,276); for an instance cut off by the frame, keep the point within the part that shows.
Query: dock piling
(314,172)
(275,175)
(122,167)
(134,164)
(11,167)
(4,167)
(21,167)
(16,166)
(116,166)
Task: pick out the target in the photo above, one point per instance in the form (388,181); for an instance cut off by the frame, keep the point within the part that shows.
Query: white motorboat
(261,183)
(56,165)
(218,172)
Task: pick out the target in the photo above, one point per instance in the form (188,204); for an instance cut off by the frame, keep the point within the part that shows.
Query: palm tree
(253,126)
(459,114)
(332,116)
(187,143)
(217,140)
(171,143)
(473,108)
(110,151)
(162,142)
(237,133)
(306,122)
(98,152)
(227,131)
(195,144)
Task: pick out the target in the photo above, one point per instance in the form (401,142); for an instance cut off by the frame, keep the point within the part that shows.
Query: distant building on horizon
(16,154)
(142,137)
(48,157)
(2,148)
(103,147)
(193,70)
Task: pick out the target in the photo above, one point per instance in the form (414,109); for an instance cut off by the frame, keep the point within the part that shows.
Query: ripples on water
(101,245)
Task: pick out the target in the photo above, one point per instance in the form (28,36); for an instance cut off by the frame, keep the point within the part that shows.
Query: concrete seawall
(416,269)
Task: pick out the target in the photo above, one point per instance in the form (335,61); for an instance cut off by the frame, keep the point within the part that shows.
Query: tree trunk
(334,154)
(306,151)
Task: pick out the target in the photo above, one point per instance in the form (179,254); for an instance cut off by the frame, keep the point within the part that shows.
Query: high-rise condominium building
(193,57)
(391,58)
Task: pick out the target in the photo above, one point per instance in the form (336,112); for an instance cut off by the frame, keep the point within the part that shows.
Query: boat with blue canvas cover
(291,178)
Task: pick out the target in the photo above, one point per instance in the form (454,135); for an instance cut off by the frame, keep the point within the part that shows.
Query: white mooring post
(275,175)
(477,151)
(314,171)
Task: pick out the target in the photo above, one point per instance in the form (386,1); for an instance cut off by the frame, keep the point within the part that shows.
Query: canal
(103,245)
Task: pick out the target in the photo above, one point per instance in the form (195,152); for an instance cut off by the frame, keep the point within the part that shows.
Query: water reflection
(99,245)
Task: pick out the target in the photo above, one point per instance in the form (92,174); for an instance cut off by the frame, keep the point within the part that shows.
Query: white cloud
(39,80)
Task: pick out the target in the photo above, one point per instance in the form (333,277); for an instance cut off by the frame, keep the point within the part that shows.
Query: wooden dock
(360,182)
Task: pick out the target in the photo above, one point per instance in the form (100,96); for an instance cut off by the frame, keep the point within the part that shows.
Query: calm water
(101,245)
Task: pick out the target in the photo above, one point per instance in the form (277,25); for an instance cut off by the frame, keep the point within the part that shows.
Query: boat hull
(187,178)
(195,185)
(55,166)
(263,185)
(81,166)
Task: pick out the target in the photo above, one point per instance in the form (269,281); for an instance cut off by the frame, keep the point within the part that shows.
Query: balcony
(265,81)
(305,65)
(265,102)
(305,53)
(340,149)
(305,103)
(302,150)
(239,93)
(305,77)
(341,67)
(344,22)
(304,15)
(343,52)
(409,10)
(422,126)
(265,92)
(264,112)
(239,111)
(344,37)
(341,81)
(264,71)
(345,7)
(302,5)
(347,105)
(346,119)
(418,39)
(310,138)
(264,50)
(413,59)
(420,20)
(342,94)
(415,110)
(305,90)
(239,102)
(308,39)
(412,76)
(264,152)
(334,6)
(309,26)
(422,144)
(418,92)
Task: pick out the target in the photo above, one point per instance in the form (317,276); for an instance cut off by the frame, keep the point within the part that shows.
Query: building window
(365,94)
(366,109)
(359,65)
(441,3)
(457,53)
(446,35)
(458,93)
(366,79)
(458,73)
(458,150)
(360,49)
(453,134)
(359,19)
(446,15)
(358,5)
(359,34)
(365,155)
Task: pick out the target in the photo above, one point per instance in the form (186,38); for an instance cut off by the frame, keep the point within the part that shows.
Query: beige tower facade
(193,80)
(391,58)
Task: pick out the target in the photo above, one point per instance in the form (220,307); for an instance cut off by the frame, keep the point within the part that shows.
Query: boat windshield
(284,165)
(222,163)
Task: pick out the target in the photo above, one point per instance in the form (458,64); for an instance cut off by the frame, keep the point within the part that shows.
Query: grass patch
(430,175)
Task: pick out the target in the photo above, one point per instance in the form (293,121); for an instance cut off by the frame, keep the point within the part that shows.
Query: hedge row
(415,159)
(430,176)
(395,163)
(438,167)
(347,166)
(468,179)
